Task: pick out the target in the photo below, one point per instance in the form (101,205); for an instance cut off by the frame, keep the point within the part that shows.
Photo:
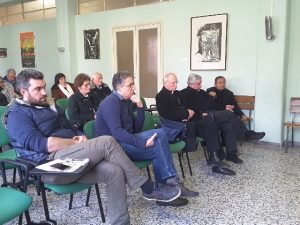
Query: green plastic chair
(10,153)
(89,132)
(175,148)
(63,103)
(13,204)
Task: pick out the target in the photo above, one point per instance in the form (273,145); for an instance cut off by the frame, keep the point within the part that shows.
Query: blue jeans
(163,165)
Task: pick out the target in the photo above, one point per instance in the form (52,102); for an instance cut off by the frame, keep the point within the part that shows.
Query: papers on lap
(63,165)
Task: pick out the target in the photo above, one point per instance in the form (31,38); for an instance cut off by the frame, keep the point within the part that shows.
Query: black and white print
(91,44)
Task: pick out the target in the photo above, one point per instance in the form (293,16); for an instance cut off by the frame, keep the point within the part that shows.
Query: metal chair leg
(100,203)
(148,172)
(45,205)
(88,197)
(189,164)
(287,139)
(180,163)
(71,201)
(293,136)
(14,175)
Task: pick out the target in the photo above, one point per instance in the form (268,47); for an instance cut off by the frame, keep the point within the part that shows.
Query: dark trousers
(206,128)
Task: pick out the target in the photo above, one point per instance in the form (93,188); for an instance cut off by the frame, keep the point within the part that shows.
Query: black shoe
(176,203)
(235,159)
(254,136)
(186,193)
(223,171)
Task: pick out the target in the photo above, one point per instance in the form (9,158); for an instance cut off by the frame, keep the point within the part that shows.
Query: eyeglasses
(129,85)
(87,85)
(175,82)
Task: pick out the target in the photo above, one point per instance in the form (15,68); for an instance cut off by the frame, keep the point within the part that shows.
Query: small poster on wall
(208,42)
(3,52)
(27,49)
(91,44)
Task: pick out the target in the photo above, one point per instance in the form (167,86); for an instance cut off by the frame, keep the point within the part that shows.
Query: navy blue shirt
(115,117)
(30,126)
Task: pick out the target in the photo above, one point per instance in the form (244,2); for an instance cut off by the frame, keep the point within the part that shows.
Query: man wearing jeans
(39,131)
(115,117)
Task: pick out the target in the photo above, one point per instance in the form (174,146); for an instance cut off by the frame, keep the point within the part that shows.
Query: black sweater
(223,98)
(170,105)
(198,101)
(98,94)
(80,110)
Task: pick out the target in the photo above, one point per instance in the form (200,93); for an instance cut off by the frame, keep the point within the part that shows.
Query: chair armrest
(28,161)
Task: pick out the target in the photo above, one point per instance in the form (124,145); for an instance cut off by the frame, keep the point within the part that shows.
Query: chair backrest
(3,133)
(149,123)
(245,102)
(89,129)
(144,102)
(63,103)
(295,105)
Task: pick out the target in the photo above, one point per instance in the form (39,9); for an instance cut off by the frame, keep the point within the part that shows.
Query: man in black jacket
(99,90)
(171,107)
(225,100)
(201,103)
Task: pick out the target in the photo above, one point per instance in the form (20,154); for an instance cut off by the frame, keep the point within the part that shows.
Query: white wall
(45,48)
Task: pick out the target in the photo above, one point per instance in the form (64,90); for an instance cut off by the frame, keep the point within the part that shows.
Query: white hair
(193,78)
(96,73)
(167,75)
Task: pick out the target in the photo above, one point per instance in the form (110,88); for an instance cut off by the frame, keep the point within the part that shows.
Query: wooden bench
(246,102)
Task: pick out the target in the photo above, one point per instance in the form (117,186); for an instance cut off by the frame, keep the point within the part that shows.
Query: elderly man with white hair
(171,107)
(99,90)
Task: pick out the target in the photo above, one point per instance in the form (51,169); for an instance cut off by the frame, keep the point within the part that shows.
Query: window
(88,6)
(27,11)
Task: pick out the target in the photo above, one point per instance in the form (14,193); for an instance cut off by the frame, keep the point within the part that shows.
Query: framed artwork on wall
(91,44)
(3,52)
(208,42)
(27,49)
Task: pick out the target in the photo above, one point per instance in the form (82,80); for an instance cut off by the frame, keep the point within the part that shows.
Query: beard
(42,102)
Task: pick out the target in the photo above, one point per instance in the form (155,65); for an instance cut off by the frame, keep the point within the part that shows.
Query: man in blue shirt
(39,131)
(115,117)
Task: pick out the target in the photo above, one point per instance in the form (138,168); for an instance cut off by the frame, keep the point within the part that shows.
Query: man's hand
(229,107)
(137,100)
(191,113)
(204,114)
(212,94)
(80,139)
(150,141)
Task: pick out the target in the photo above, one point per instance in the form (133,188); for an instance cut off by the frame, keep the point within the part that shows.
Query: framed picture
(208,42)
(91,44)
(3,52)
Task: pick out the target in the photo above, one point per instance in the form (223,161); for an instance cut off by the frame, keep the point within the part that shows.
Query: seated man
(40,132)
(115,117)
(170,106)
(99,90)
(224,99)
(199,101)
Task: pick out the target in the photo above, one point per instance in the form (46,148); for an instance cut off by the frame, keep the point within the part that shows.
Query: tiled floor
(266,190)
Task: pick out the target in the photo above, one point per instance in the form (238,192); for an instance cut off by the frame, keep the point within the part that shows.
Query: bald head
(170,81)
(97,78)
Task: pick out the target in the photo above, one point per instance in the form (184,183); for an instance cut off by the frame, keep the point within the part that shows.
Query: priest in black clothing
(171,107)
(224,100)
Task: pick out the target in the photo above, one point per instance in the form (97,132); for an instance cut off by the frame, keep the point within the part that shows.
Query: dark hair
(25,75)
(119,78)
(80,79)
(57,77)
(219,77)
